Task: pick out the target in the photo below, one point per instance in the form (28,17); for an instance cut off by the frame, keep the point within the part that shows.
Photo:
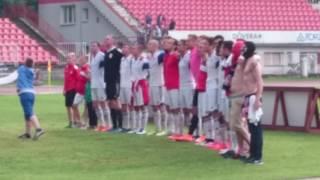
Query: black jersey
(112,61)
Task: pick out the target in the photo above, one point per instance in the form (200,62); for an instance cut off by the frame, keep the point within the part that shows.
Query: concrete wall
(94,29)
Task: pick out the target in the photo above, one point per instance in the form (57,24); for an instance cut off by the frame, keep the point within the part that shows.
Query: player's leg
(92,115)
(163,112)
(125,109)
(75,108)
(33,118)
(96,103)
(139,103)
(155,102)
(69,98)
(171,120)
(113,92)
(27,114)
(176,112)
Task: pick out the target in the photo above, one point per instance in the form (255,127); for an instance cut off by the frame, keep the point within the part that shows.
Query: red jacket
(70,77)
(82,79)
(171,71)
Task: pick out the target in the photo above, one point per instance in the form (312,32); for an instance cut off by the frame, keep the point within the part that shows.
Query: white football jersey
(97,72)
(126,72)
(213,71)
(156,69)
(185,75)
(140,68)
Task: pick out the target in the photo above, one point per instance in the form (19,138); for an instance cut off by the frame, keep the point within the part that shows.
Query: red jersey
(70,77)
(202,79)
(82,79)
(171,71)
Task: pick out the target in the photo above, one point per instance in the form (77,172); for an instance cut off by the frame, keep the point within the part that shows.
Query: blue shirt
(25,80)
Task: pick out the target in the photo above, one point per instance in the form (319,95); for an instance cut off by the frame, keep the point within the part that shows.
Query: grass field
(69,154)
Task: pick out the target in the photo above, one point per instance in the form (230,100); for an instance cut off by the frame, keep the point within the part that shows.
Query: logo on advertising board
(308,37)
(253,36)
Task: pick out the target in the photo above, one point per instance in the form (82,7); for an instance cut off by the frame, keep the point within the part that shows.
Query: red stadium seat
(204,11)
(16,45)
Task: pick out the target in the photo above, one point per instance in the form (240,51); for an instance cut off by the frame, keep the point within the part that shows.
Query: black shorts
(69,98)
(195,98)
(113,91)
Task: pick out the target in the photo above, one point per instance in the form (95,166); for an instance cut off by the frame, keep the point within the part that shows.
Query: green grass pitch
(72,154)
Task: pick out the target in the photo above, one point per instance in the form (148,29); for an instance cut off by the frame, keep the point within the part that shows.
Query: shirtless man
(253,88)
(236,100)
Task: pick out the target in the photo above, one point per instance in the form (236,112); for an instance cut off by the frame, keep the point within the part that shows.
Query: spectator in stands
(148,19)
(69,89)
(160,20)
(27,98)
(172,24)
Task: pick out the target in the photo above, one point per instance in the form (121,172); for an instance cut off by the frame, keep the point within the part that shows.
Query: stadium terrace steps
(115,18)
(236,15)
(16,45)
(123,12)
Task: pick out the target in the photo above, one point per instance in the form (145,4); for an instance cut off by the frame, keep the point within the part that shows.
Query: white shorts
(98,94)
(202,104)
(156,95)
(125,95)
(185,98)
(172,98)
(138,98)
(78,99)
(212,100)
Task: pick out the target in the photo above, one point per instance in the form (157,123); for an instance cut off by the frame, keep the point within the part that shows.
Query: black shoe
(24,136)
(244,159)
(124,130)
(69,126)
(229,154)
(254,162)
(114,130)
(38,133)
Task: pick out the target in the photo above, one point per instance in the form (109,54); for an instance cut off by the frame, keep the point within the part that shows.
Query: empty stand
(230,14)
(16,46)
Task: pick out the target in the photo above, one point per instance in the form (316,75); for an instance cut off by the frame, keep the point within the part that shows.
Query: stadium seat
(204,11)
(16,45)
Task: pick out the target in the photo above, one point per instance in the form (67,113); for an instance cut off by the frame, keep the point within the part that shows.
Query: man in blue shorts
(27,97)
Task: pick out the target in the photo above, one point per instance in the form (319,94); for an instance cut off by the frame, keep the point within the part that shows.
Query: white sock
(206,129)
(126,118)
(171,123)
(145,118)
(164,120)
(182,123)
(106,117)
(138,119)
(157,120)
(100,117)
(177,120)
(187,119)
(133,120)
(214,126)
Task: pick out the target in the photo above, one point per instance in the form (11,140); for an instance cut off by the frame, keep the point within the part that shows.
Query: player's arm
(258,75)
(161,58)
(102,61)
